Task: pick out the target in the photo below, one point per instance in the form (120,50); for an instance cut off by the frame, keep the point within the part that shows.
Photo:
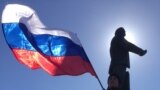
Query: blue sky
(95,22)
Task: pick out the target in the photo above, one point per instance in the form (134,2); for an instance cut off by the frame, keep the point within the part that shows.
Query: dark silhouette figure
(113,82)
(119,52)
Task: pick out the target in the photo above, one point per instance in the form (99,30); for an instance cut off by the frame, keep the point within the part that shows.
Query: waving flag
(58,52)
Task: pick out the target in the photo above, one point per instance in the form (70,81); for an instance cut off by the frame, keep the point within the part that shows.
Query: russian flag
(58,52)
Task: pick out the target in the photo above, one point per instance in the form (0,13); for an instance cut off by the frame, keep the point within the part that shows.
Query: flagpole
(99,80)
(94,70)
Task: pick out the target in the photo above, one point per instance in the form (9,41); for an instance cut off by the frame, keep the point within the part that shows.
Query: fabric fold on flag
(58,52)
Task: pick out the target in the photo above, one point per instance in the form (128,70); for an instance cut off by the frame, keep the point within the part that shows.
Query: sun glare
(130,37)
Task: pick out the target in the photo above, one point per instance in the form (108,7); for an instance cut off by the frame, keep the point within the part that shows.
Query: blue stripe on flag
(15,36)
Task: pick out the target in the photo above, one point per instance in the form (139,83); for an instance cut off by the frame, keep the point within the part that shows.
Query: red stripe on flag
(26,57)
(66,65)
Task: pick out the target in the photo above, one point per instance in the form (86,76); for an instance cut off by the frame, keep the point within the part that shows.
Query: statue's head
(120,32)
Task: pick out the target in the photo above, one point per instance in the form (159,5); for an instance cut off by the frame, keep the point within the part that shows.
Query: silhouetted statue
(119,52)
